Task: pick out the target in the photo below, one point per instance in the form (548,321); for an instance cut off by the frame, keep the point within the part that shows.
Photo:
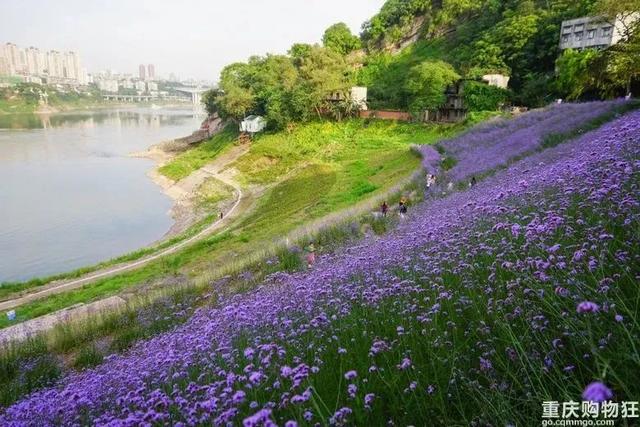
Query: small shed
(253,124)
(498,80)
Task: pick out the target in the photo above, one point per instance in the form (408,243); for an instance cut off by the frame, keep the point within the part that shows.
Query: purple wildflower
(597,392)
(588,307)
(350,375)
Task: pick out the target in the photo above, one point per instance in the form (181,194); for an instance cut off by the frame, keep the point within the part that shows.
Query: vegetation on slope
(518,38)
(456,38)
(27,97)
(290,201)
(316,169)
(485,304)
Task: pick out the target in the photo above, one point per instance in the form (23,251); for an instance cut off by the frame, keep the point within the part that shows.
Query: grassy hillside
(486,303)
(317,169)
(518,38)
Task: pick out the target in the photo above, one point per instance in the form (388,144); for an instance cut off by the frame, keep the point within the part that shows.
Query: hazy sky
(192,38)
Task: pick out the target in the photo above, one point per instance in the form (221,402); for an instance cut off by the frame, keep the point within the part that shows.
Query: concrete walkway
(34,327)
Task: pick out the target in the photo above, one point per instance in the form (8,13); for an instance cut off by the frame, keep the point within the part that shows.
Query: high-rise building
(6,68)
(55,64)
(34,65)
(152,72)
(36,61)
(142,71)
(71,66)
(16,59)
(595,32)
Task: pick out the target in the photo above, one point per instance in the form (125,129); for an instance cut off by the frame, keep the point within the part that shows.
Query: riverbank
(46,109)
(207,192)
(190,195)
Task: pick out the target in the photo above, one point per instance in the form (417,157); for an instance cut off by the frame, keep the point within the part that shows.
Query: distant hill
(518,38)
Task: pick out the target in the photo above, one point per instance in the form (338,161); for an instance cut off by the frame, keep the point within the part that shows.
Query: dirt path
(183,189)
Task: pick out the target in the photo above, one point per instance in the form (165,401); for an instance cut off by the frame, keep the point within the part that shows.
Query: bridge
(195,92)
(184,93)
(128,98)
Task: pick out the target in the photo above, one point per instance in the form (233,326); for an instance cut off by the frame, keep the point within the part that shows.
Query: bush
(483,97)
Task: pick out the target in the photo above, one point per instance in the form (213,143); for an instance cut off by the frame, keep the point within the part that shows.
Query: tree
(426,84)
(209,100)
(299,51)
(338,38)
(235,102)
(623,10)
(617,67)
(323,72)
(620,64)
(574,76)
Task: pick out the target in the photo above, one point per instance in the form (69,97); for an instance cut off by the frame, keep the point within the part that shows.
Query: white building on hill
(253,124)
(594,32)
(499,80)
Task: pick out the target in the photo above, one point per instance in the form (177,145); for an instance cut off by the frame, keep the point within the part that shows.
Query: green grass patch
(195,158)
(211,192)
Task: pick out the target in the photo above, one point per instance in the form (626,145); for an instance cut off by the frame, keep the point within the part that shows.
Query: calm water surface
(69,194)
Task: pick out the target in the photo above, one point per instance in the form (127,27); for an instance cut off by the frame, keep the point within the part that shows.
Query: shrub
(483,97)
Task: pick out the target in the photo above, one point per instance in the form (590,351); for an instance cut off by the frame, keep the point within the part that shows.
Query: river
(70,196)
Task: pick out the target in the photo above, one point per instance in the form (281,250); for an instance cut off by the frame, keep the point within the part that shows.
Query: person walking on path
(431,180)
(473,182)
(384,208)
(311,255)
(402,207)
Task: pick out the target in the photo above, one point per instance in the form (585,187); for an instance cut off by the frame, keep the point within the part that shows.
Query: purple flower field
(495,143)
(478,307)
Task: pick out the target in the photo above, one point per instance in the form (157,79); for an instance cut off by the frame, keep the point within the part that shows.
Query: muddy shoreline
(185,194)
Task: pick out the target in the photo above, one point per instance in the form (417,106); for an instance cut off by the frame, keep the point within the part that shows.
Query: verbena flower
(597,392)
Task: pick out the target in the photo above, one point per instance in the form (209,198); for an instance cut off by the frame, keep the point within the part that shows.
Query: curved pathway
(121,268)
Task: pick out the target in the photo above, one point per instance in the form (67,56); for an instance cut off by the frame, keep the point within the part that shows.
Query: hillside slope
(480,306)
(517,38)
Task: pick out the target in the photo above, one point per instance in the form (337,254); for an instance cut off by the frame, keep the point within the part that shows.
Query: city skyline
(33,63)
(193,40)
(37,65)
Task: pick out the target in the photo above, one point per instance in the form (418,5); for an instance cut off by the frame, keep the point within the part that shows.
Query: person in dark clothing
(384,208)
(473,182)
(402,207)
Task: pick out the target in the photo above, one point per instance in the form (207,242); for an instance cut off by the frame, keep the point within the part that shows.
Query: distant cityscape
(53,67)
(37,66)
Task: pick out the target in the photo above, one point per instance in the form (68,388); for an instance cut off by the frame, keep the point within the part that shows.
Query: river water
(70,196)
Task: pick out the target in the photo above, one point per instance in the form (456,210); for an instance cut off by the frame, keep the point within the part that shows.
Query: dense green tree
(618,67)
(324,72)
(235,102)
(426,84)
(394,15)
(574,75)
(536,90)
(299,51)
(282,88)
(338,38)
(209,100)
